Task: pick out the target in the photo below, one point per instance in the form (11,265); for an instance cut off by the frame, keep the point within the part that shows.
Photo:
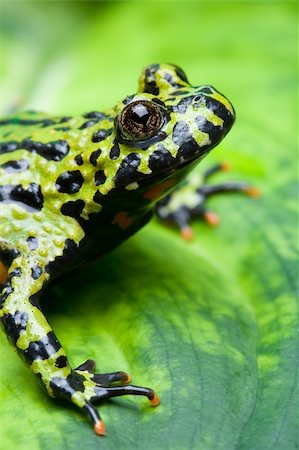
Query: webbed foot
(189,200)
(84,388)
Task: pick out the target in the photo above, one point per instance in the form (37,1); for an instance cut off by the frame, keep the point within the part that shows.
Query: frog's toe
(211,218)
(105,392)
(98,424)
(102,379)
(105,379)
(89,365)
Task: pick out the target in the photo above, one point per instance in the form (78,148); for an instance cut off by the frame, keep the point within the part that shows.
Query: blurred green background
(212,324)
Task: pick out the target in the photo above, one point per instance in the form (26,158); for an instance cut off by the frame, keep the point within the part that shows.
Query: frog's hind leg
(189,200)
(28,330)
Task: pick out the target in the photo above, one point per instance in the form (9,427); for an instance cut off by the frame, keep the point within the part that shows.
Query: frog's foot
(189,200)
(91,387)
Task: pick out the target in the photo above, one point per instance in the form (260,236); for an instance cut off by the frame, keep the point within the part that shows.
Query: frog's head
(163,131)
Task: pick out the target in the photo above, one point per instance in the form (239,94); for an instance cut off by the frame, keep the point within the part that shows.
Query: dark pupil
(140,114)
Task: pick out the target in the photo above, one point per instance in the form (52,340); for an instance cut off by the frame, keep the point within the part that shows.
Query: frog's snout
(220,105)
(216,114)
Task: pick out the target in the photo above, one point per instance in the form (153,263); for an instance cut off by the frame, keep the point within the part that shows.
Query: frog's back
(41,168)
(31,144)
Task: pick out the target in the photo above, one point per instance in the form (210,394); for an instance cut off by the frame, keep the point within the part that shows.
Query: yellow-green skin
(72,189)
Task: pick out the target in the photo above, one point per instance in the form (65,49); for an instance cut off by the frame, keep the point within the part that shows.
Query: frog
(73,188)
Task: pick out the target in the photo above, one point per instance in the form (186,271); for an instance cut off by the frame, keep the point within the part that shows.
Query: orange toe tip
(225,166)
(99,428)
(127,377)
(211,218)
(252,192)
(187,233)
(155,401)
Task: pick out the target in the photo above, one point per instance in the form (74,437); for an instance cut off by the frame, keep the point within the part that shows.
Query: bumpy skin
(73,188)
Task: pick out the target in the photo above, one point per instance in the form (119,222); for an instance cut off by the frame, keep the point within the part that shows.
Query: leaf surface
(213,324)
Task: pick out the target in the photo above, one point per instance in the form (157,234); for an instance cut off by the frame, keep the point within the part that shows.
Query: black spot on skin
(7,255)
(88,123)
(214,131)
(32,242)
(161,159)
(7,147)
(29,198)
(188,147)
(127,171)
(183,104)
(78,160)
(220,110)
(36,272)
(69,182)
(99,198)
(205,90)
(101,135)
(34,300)
(115,151)
(181,133)
(73,209)
(17,272)
(48,122)
(128,99)
(151,88)
(158,102)
(42,349)
(181,74)
(94,156)
(61,387)
(169,78)
(61,361)
(96,115)
(69,253)
(62,128)
(78,381)
(65,119)
(15,324)
(189,150)
(52,151)
(5,293)
(15,166)
(7,288)
(179,93)
(29,122)
(152,69)
(99,177)
(150,85)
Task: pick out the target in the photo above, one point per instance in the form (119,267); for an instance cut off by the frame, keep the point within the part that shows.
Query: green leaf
(212,325)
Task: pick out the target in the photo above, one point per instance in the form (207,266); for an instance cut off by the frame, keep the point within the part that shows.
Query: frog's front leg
(28,330)
(189,200)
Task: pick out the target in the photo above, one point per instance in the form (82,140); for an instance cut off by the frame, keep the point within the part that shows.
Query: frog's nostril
(197,98)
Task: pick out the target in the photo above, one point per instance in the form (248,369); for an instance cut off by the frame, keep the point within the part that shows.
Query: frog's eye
(140,120)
